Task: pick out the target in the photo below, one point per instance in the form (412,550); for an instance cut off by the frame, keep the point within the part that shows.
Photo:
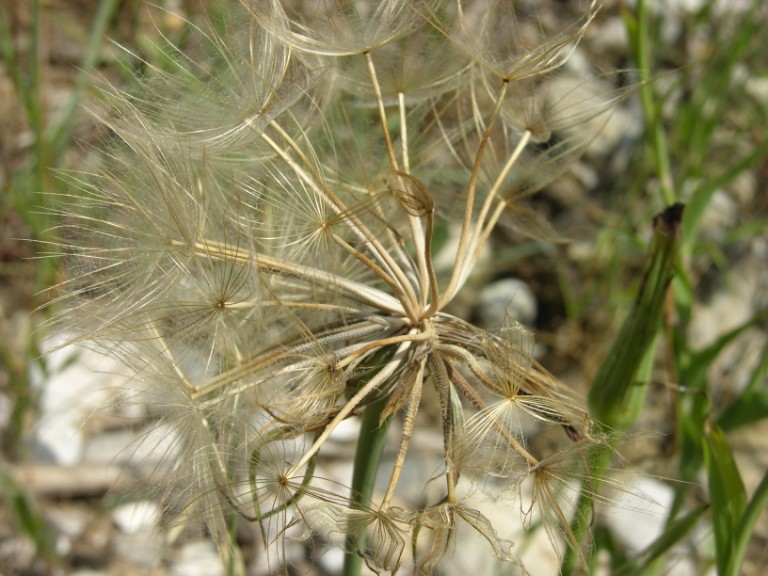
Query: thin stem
(416,231)
(580,526)
(419,237)
(483,231)
(282,351)
(467,224)
(269,265)
(652,115)
(500,178)
(407,302)
(370,446)
(404,132)
(413,336)
(327,195)
(434,291)
(382,112)
(486,232)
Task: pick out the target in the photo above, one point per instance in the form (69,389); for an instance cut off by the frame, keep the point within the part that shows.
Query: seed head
(258,246)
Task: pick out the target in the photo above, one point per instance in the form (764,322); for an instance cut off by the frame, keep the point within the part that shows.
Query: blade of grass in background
(615,396)
(58,132)
(640,41)
(727,496)
(689,154)
(28,186)
(695,407)
(24,190)
(746,526)
(617,392)
(674,533)
(27,518)
(752,405)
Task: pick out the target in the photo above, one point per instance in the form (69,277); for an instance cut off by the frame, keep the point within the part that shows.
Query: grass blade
(613,397)
(751,514)
(727,495)
(673,535)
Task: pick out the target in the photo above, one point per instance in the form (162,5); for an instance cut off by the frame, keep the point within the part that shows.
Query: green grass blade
(370,446)
(746,526)
(640,43)
(752,405)
(27,519)
(673,535)
(59,130)
(727,496)
(613,396)
(699,362)
(695,407)
(585,508)
(700,200)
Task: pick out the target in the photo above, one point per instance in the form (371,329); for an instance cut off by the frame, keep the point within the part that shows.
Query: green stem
(581,520)
(654,125)
(370,446)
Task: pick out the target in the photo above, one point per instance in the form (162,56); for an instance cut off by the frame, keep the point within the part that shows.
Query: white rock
(609,37)
(332,560)
(71,521)
(198,559)
(347,430)
(134,517)
(143,548)
(640,514)
(78,382)
(16,552)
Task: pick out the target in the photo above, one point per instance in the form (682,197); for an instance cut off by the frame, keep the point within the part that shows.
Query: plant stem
(654,126)
(370,445)
(583,513)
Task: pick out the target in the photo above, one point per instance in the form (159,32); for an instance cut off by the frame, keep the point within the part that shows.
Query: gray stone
(510,298)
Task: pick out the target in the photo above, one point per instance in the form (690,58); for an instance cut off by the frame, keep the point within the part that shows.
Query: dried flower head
(259,248)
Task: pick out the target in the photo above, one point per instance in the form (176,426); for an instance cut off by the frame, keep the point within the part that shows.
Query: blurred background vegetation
(697,133)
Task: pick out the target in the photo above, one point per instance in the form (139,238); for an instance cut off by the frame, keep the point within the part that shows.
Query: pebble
(77,384)
(640,514)
(134,517)
(142,548)
(198,558)
(509,297)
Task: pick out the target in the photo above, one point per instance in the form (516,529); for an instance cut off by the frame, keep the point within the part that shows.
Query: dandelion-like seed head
(259,246)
